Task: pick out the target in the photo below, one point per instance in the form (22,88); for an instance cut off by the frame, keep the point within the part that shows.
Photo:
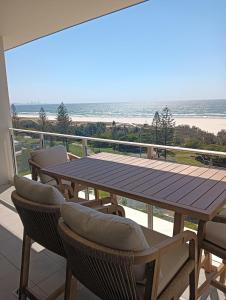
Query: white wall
(6,161)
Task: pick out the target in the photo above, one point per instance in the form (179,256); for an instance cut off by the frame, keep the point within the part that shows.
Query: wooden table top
(189,190)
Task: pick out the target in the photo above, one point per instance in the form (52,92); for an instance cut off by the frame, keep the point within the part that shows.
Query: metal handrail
(143,145)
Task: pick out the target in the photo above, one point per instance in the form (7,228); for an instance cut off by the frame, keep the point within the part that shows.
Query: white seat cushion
(37,192)
(171,261)
(216,232)
(105,229)
(48,157)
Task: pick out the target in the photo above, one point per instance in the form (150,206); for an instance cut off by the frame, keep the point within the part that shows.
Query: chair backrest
(108,273)
(40,222)
(47,157)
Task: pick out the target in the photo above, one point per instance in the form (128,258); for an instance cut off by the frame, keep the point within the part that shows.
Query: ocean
(209,115)
(201,108)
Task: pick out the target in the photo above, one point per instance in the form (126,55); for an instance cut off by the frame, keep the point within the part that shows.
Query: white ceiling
(22,21)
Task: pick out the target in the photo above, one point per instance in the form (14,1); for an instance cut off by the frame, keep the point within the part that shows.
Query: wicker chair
(110,274)
(40,225)
(65,187)
(213,241)
(68,189)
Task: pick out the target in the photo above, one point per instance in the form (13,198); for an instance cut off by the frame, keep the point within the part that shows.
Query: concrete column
(6,160)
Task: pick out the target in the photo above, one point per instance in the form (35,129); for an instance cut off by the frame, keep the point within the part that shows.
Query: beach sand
(209,124)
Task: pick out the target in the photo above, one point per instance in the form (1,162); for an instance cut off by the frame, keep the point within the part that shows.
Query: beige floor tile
(10,218)
(15,228)
(42,268)
(50,284)
(5,212)
(55,257)
(12,250)
(4,234)
(40,294)
(82,294)
(6,268)
(9,280)
(5,193)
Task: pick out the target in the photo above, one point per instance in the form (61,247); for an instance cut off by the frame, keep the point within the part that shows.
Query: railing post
(42,141)
(211,162)
(85,153)
(149,209)
(13,151)
(84,148)
(150,155)
(150,152)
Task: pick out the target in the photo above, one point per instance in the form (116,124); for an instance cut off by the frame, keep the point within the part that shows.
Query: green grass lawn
(76,149)
(184,157)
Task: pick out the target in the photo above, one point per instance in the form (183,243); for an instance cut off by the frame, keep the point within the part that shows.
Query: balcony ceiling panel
(22,21)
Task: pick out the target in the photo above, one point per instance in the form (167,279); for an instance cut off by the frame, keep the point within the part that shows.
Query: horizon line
(117,102)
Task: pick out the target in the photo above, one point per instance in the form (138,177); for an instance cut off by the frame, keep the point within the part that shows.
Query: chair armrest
(72,156)
(35,169)
(153,266)
(158,250)
(109,209)
(97,202)
(219,219)
(185,236)
(33,164)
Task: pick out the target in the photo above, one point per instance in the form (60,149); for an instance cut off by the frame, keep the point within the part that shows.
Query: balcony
(20,24)
(48,269)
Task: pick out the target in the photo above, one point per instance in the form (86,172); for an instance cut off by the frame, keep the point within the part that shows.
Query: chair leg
(25,262)
(208,262)
(70,285)
(193,285)
(223,274)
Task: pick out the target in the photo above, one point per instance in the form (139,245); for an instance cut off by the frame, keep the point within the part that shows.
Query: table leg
(178,223)
(97,194)
(114,199)
(87,193)
(200,235)
(76,187)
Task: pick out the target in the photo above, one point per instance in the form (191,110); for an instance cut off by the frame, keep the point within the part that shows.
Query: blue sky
(159,50)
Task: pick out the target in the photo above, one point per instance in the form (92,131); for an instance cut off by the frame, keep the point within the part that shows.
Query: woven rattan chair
(213,242)
(110,274)
(64,186)
(40,225)
(69,190)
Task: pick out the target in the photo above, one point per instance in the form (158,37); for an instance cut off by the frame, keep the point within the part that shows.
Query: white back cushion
(48,157)
(37,192)
(105,229)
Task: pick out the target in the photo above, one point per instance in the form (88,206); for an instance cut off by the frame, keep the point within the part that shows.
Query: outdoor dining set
(110,254)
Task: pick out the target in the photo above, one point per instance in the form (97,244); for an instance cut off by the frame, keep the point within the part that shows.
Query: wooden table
(187,190)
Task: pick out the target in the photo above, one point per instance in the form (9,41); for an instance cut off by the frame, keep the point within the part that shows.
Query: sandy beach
(209,124)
